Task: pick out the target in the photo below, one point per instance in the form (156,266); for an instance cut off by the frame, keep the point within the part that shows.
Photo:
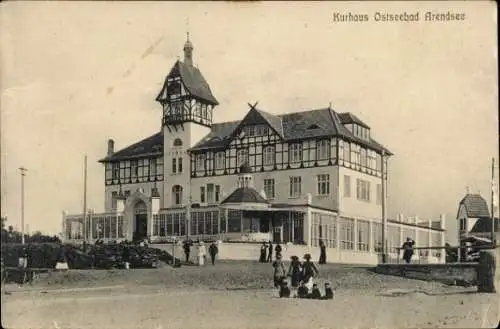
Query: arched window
(177,142)
(177,195)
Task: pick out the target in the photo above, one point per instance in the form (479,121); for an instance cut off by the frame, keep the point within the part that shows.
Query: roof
(193,80)
(348,118)
(483,225)
(152,145)
(475,206)
(290,126)
(244,195)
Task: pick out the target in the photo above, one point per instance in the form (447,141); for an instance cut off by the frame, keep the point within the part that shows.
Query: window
(363,235)
(323,149)
(116,170)
(177,194)
(355,154)
(323,184)
(134,169)
(295,185)
(268,156)
(347,152)
(347,186)
(241,157)
(379,193)
(200,161)
(174,165)
(269,188)
(217,193)
(202,194)
(363,190)
(363,157)
(210,193)
(219,160)
(295,152)
(177,142)
(113,200)
(346,233)
(179,164)
(152,167)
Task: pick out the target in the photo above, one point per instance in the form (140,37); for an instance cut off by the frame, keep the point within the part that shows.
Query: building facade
(292,178)
(474,218)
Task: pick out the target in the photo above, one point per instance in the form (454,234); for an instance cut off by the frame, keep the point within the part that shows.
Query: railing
(455,254)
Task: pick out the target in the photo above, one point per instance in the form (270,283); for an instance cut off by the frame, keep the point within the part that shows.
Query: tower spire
(188,47)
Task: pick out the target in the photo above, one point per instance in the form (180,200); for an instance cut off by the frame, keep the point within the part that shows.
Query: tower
(188,105)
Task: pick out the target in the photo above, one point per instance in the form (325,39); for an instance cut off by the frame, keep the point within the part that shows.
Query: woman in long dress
(295,271)
(309,271)
(263,253)
(202,251)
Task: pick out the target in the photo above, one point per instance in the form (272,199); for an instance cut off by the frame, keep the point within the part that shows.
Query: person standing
(263,253)
(322,252)
(270,255)
(408,250)
(278,250)
(279,272)
(213,250)
(187,249)
(309,271)
(202,252)
(295,271)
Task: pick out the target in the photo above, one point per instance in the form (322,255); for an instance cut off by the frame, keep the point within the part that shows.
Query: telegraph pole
(23,173)
(384,212)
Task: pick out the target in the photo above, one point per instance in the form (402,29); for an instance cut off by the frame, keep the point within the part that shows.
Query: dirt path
(158,307)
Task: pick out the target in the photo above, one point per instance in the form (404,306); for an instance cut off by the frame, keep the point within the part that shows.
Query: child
(315,293)
(328,292)
(279,271)
(284,290)
(302,292)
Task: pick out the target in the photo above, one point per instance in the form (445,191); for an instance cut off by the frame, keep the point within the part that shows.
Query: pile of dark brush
(101,255)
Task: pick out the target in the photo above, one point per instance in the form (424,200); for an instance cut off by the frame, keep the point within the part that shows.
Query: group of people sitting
(301,275)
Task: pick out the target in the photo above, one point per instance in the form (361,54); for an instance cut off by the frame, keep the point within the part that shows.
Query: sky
(77,73)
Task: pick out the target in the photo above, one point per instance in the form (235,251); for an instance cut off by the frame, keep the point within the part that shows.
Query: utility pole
(85,199)
(23,173)
(384,212)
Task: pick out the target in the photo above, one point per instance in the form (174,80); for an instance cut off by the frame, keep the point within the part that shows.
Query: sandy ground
(130,303)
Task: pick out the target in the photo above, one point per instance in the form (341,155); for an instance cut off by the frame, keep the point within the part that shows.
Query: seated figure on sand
(315,293)
(284,290)
(328,292)
(302,291)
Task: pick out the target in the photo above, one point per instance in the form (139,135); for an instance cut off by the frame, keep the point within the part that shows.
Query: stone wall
(460,273)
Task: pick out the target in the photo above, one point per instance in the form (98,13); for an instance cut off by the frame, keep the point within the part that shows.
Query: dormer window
(256,130)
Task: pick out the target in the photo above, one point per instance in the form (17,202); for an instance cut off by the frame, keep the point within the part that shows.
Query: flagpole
(493,200)
(85,199)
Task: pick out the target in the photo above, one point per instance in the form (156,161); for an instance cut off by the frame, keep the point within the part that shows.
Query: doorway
(141,221)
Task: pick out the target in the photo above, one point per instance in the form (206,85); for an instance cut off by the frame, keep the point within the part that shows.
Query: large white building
(293,178)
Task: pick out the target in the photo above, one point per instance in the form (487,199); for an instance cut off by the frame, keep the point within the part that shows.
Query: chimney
(111,146)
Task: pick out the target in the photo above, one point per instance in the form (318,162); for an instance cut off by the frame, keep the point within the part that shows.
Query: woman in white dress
(202,252)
